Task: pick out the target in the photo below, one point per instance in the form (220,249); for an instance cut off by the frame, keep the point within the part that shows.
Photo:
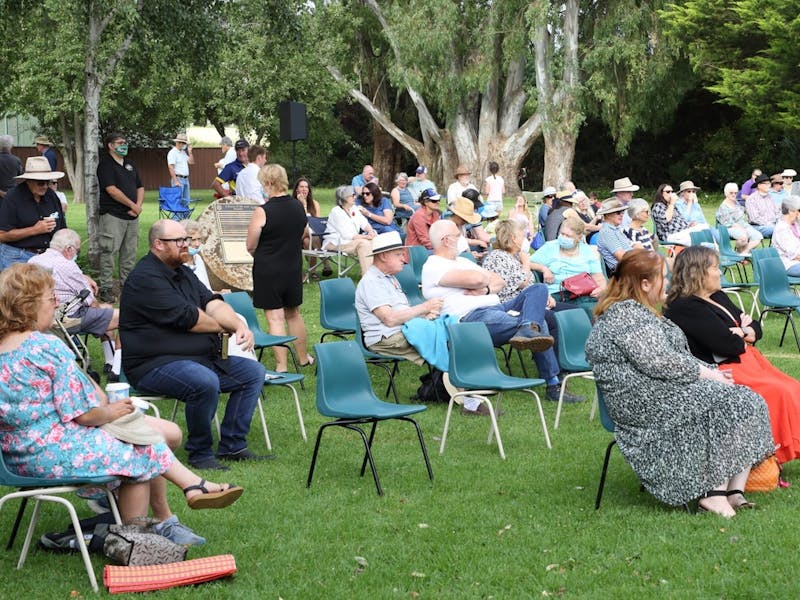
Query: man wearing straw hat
(462,183)
(45,147)
(178,160)
(382,305)
(30,213)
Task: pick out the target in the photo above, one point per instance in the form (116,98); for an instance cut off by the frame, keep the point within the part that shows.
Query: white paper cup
(117,391)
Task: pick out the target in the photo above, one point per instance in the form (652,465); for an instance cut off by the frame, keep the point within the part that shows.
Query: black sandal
(745,502)
(710,494)
(206,499)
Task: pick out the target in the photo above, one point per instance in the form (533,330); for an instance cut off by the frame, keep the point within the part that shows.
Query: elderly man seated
(95,318)
(469,292)
(611,240)
(382,305)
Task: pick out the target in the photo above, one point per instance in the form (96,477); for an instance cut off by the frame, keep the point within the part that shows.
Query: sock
(116,364)
(108,350)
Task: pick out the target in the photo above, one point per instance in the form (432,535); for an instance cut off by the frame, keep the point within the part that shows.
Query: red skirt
(782,394)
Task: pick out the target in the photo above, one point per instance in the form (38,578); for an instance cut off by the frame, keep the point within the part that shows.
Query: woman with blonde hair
(683,425)
(274,240)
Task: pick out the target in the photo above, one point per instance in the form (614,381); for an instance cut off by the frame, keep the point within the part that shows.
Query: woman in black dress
(273,238)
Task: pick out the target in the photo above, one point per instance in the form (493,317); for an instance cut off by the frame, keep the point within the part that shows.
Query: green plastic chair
(387,362)
(344,392)
(410,285)
(51,490)
(574,327)
(337,311)
(776,294)
(473,367)
(417,255)
(241,303)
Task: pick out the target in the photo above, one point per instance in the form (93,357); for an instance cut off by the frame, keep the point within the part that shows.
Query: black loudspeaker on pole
(293,126)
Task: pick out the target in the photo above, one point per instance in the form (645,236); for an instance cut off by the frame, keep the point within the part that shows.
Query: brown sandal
(206,499)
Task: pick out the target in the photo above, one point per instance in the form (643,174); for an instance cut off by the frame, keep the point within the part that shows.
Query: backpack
(431,388)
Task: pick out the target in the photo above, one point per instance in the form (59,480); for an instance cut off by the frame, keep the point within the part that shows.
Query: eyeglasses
(180,241)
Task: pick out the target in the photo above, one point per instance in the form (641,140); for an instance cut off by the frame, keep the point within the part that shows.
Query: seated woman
(303,193)
(670,225)
(784,239)
(420,222)
(377,209)
(522,215)
(639,212)
(582,208)
(731,214)
(683,426)
(51,411)
(347,229)
(566,256)
(719,333)
(402,200)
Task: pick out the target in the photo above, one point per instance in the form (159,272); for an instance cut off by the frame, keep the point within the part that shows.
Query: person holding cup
(53,414)
(29,214)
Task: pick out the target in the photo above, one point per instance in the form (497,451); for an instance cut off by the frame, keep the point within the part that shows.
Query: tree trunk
(559,156)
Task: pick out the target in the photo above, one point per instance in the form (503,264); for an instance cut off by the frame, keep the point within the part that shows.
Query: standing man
(247,184)
(172,329)
(231,171)
(10,165)
(178,160)
(121,199)
(29,214)
(45,147)
(748,186)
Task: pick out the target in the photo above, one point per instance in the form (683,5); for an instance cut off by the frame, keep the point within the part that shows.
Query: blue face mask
(194,251)
(566,243)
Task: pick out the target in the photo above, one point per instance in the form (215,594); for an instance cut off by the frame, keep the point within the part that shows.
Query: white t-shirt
(247,184)
(495,183)
(180,159)
(455,190)
(456,302)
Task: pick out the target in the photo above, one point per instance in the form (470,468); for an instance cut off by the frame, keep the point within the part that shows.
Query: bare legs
(718,501)
(278,319)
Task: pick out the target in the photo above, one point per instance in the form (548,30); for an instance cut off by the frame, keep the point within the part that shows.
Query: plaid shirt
(761,210)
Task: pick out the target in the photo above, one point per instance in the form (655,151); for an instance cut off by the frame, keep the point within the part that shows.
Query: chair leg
(446,424)
(316,450)
(260,407)
(495,430)
(299,412)
(369,454)
(603,475)
(369,445)
(17,521)
(541,418)
(421,444)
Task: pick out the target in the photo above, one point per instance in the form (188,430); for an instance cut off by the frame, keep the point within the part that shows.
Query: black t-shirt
(123,176)
(157,309)
(10,167)
(19,210)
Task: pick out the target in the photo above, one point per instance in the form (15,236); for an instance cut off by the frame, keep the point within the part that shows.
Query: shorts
(94,321)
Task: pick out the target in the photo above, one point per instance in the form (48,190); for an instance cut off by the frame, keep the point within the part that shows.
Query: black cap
(242,144)
(762,179)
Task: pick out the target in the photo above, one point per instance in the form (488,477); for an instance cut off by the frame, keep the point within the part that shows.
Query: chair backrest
(469,256)
(605,418)
(241,303)
(342,379)
(759,254)
(574,327)
(704,236)
(169,197)
(317,225)
(773,284)
(337,304)
(472,356)
(408,281)
(417,255)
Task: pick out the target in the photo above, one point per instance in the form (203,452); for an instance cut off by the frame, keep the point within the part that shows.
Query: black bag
(431,388)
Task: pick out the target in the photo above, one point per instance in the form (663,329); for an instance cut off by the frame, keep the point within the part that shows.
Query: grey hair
(191,226)
(64,238)
(730,187)
(6,143)
(342,193)
(790,203)
(401,175)
(636,205)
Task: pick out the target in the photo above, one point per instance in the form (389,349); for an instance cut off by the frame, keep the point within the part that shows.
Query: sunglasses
(669,191)
(366,193)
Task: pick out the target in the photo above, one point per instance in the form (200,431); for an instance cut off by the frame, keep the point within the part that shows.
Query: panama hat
(611,205)
(687,185)
(624,185)
(181,137)
(43,141)
(38,168)
(383,242)
(463,170)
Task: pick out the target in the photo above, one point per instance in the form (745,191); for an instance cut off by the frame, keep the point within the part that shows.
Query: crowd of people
(676,363)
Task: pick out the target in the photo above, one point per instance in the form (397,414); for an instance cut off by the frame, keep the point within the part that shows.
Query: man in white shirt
(247,184)
(462,182)
(178,160)
(228,154)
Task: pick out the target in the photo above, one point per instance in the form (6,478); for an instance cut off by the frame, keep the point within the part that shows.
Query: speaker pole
(294,160)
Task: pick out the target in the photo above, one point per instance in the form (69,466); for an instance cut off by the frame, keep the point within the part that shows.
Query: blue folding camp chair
(170,205)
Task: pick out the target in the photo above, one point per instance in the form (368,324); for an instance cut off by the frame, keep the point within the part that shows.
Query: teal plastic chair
(417,255)
(410,285)
(344,392)
(758,254)
(729,254)
(473,367)
(337,311)
(574,327)
(387,362)
(241,303)
(50,490)
(776,294)
(287,380)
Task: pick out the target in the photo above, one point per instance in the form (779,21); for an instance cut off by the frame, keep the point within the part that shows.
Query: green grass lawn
(484,528)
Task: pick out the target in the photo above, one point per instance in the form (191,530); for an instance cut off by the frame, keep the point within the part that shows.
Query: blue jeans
(530,304)
(185,198)
(11,254)
(793,271)
(765,230)
(198,387)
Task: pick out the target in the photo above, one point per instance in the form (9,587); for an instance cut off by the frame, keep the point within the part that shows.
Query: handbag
(765,476)
(138,546)
(578,285)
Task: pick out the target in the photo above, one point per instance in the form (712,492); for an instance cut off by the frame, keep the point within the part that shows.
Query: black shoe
(528,337)
(554,391)
(112,378)
(106,295)
(243,455)
(59,542)
(208,464)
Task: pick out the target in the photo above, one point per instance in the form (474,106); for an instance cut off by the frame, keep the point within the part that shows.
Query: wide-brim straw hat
(383,242)
(688,185)
(43,140)
(465,209)
(463,170)
(181,137)
(624,185)
(611,205)
(38,168)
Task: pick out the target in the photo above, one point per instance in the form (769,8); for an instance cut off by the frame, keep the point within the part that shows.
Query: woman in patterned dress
(51,412)
(684,427)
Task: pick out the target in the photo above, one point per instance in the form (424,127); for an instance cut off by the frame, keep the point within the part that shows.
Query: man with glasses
(778,191)
(121,199)
(173,329)
(29,214)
